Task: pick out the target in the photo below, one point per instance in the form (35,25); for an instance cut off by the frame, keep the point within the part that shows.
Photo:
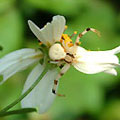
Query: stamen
(70,44)
(66,27)
(75,32)
(40,43)
(78,43)
(61,40)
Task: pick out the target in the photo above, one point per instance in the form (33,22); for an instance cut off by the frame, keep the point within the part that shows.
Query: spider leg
(62,71)
(84,32)
(54,62)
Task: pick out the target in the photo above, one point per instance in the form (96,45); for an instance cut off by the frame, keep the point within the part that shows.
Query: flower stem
(19,111)
(27,92)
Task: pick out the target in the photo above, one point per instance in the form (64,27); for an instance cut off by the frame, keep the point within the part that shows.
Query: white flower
(91,62)
(17,61)
(41,97)
(61,51)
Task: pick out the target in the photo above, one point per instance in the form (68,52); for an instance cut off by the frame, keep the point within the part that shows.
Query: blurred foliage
(88,97)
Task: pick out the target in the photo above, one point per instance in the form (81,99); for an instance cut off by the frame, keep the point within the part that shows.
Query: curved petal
(41,97)
(18,60)
(58,27)
(114,51)
(91,62)
(111,71)
(51,32)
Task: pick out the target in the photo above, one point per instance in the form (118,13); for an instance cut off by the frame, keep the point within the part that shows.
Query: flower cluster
(59,50)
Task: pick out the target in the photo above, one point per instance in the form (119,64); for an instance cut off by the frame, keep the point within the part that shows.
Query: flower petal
(111,71)
(91,62)
(18,60)
(58,27)
(41,97)
(115,50)
(51,32)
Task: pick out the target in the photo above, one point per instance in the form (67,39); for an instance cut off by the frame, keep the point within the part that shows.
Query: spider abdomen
(56,52)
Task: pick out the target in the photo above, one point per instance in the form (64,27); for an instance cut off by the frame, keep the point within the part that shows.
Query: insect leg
(84,32)
(62,71)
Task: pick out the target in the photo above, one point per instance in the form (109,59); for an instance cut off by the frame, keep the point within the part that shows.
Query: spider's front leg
(62,71)
(84,32)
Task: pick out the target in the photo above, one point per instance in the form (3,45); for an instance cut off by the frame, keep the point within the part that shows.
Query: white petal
(17,61)
(58,26)
(91,62)
(41,97)
(51,32)
(36,30)
(115,50)
(111,71)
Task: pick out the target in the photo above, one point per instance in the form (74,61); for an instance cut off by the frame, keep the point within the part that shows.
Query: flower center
(66,41)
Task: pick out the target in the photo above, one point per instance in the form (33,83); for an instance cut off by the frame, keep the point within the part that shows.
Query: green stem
(19,111)
(27,92)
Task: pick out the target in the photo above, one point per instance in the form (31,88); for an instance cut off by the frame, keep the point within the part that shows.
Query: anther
(40,43)
(78,43)
(66,26)
(75,32)
(70,44)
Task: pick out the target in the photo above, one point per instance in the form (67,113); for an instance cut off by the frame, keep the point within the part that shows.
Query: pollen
(66,40)
(61,40)
(70,44)
(75,32)
(40,43)
(66,26)
(79,43)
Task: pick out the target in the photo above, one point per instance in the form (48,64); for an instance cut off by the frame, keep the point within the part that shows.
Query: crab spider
(62,52)
(65,55)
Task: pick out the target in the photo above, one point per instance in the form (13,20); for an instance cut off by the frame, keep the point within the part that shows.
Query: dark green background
(88,97)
